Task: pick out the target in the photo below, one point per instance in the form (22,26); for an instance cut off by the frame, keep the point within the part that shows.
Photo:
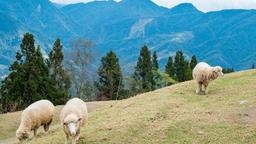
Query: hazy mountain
(222,37)
(39,17)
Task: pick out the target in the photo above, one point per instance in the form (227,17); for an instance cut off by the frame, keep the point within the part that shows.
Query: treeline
(228,70)
(146,76)
(33,77)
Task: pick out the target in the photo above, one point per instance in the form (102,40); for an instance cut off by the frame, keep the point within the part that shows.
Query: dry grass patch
(174,114)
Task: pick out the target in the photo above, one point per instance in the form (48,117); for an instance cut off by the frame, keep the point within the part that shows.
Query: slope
(175,114)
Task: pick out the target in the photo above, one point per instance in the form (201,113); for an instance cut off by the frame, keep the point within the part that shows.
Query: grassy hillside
(9,123)
(173,114)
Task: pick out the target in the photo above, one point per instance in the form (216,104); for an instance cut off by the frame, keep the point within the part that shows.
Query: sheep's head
(22,134)
(72,124)
(217,72)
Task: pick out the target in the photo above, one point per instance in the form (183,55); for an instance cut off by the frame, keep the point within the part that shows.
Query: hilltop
(173,114)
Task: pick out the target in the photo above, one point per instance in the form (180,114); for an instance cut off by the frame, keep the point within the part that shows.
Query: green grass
(173,114)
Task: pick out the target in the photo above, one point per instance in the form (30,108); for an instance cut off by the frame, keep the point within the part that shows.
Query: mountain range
(223,38)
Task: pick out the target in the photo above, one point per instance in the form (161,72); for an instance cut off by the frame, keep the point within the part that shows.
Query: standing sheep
(37,114)
(203,74)
(73,116)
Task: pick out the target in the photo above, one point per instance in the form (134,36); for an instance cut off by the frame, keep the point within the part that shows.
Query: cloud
(212,5)
(203,5)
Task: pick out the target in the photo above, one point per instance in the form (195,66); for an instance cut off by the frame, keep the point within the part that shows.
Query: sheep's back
(201,72)
(39,113)
(74,106)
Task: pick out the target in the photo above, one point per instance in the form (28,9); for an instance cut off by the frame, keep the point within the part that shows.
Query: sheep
(203,74)
(73,116)
(39,113)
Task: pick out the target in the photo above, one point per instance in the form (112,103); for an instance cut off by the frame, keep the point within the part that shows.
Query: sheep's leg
(66,138)
(199,88)
(35,130)
(46,127)
(78,135)
(206,89)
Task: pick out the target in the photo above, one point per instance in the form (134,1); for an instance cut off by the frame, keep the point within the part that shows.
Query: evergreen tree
(253,66)
(58,74)
(180,67)
(143,70)
(188,71)
(155,64)
(169,68)
(228,70)
(110,80)
(162,79)
(155,71)
(28,80)
(193,62)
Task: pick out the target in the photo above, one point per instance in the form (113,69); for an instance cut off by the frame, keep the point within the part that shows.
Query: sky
(203,5)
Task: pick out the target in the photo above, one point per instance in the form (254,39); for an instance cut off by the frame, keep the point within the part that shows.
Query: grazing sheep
(203,74)
(37,114)
(73,116)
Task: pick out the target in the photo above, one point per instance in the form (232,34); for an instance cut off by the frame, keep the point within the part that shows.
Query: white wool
(203,74)
(37,114)
(73,116)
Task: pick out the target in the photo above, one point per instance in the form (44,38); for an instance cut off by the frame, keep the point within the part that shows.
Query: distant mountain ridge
(223,38)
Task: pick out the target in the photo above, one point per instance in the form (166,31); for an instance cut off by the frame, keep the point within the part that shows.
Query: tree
(134,87)
(155,64)
(193,62)
(253,66)
(28,80)
(58,74)
(169,67)
(110,78)
(188,71)
(161,79)
(143,70)
(79,63)
(180,67)
(228,70)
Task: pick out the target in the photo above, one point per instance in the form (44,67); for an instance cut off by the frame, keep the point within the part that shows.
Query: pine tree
(28,80)
(155,64)
(155,72)
(253,66)
(143,70)
(58,74)
(40,85)
(188,71)
(180,67)
(228,70)
(110,80)
(193,62)
(169,67)
(12,88)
